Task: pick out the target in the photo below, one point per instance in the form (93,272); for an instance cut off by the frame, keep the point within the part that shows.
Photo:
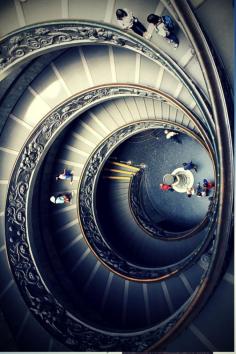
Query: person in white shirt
(164,26)
(66,175)
(172,135)
(61,198)
(127,21)
(190,192)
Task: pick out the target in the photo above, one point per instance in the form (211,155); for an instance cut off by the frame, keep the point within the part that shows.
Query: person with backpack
(127,21)
(165,27)
(62,198)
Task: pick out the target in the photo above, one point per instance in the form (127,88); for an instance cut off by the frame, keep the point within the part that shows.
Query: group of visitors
(204,190)
(200,190)
(163,25)
(63,198)
(187,166)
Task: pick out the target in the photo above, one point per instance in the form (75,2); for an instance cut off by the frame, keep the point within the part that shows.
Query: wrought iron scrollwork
(32,40)
(138,210)
(144,221)
(90,225)
(46,308)
(86,207)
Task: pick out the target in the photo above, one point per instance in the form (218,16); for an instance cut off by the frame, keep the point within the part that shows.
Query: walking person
(66,175)
(207,184)
(127,21)
(63,198)
(199,190)
(190,192)
(166,187)
(173,136)
(205,192)
(165,27)
(189,166)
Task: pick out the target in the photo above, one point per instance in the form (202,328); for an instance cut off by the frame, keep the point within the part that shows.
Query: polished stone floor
(162,156)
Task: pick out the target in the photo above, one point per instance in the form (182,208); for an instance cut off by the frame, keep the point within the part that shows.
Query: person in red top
(166,187)
(207,186)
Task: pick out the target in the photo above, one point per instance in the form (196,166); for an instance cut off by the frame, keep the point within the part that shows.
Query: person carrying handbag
(164,26)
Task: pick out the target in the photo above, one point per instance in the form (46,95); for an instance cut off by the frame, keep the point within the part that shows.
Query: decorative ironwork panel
(90,225)
(34,40)
(46,308)
(144,221)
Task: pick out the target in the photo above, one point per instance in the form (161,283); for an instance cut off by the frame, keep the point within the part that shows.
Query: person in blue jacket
(165,27)
(66,175)
(190,166)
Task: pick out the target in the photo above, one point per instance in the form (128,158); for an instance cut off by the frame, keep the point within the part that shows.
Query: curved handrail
(23,77)
(59,321)
(33,40)
(89,220)
(221,106)
(144,221)
(146,224)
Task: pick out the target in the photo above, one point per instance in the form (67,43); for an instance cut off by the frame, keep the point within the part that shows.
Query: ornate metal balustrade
(31,41)
(137,208)
(35,40)
(148,225)
(221,103)
(58,321)
(90,224)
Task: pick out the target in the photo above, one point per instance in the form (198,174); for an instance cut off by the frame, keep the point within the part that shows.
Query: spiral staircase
(123,266)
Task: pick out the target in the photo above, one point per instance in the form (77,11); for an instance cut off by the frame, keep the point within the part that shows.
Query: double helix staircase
(87,275)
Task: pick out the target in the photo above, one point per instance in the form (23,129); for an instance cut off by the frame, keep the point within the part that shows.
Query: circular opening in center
(163,162)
